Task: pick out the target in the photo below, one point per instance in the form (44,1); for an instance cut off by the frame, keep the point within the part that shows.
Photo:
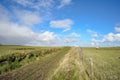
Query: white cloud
(74,34)
(95,35)
(24,2)
(108,38)
(69,40)
(11,33)
(43,7)
(92,43)
(36,4)
(46,3)
(47,36)
(111,37)
(64,3)
(92,33)
(95,42)
(27,17)
(64,24)
(14,24)
(16,34)
(42,4)
(117,29)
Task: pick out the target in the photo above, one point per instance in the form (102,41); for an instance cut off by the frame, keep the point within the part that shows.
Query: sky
(60,22)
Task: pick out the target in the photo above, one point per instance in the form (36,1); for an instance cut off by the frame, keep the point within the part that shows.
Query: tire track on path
(71,67)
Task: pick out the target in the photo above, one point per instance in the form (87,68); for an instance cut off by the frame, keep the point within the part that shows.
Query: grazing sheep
(97,48)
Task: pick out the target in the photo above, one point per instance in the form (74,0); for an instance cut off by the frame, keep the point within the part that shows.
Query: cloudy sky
(60,22)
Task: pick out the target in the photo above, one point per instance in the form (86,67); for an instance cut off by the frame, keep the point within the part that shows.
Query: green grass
(106,63)
(49,63)
(21,55)
(70,67)
(8,49)
(40,69)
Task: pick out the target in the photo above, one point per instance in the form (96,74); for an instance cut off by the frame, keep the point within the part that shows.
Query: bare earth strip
(71,67)
(38,70)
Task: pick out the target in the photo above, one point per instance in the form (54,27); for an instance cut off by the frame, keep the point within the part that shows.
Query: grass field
(18,56)
(8,49)
(106,63)
(63,63)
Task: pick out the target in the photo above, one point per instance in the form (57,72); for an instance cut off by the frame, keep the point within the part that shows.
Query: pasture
(59,63)
(12,57)
(106,63)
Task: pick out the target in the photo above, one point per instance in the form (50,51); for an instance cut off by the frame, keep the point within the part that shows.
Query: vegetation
(45,60)
(70,68)
(15,59)
(61,63)
(89,64)
(106,63)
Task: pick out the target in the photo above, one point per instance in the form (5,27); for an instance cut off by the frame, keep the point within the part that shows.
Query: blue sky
(60,22)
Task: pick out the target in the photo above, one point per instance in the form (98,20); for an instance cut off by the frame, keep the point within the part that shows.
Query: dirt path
(38,70)
(71,67)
